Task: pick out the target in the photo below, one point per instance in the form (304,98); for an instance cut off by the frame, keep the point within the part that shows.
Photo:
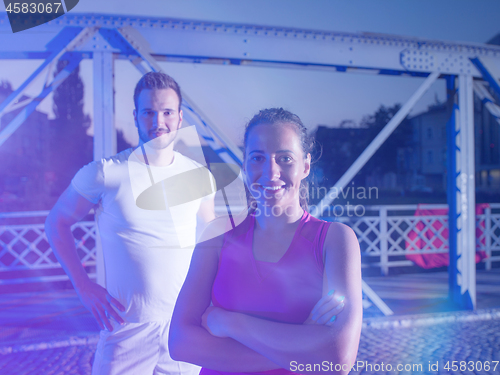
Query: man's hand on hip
(101,304)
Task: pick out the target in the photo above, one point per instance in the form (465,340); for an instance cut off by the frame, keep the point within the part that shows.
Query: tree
(385,158)
(343,145)
(72,148)
(121,142)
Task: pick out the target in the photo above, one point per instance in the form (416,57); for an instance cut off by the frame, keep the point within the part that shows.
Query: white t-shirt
(146,251)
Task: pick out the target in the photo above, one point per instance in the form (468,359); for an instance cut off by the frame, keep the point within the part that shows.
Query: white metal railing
(489,236)
(385,235)
(24,247)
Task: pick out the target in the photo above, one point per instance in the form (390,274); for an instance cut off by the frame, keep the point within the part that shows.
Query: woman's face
(275,165)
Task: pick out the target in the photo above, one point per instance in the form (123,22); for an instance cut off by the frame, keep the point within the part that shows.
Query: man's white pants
(137,349)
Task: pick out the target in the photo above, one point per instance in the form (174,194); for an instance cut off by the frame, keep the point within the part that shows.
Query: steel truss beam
(361,161)
(374,146)
(104,127)
(487,99)
(461,193)
(144,62)
(142,41)
(74,59)
(490,71)
(69,39)
(225,43)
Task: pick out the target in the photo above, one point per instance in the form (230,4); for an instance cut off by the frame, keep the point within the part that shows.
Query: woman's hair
(273,116)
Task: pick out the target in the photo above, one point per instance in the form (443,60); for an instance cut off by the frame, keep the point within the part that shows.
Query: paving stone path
(414,349)
(411,347)
(69,360)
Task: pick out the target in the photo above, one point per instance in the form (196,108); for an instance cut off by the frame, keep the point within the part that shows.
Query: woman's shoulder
(341,238)
(336,226)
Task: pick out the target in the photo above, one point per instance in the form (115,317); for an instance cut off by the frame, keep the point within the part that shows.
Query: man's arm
(69,209)
(205,215)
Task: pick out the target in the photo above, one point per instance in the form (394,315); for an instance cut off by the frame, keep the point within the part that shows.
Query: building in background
(429,144)
(426,167)
(414,160)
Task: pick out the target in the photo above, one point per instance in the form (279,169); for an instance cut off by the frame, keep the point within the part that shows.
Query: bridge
(467,68)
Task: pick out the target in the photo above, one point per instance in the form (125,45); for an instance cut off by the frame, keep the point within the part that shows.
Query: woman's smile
(275,164)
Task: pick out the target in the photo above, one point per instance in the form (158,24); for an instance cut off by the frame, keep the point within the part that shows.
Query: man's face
(157,117)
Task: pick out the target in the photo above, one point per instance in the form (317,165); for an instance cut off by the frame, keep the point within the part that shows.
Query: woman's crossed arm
(238,342)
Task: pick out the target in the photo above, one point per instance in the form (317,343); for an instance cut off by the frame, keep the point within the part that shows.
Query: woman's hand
(326,310)
(214,320)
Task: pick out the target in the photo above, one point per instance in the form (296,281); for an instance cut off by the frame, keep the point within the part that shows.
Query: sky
(231,95)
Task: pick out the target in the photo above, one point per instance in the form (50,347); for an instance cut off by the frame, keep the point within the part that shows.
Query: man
(145,263)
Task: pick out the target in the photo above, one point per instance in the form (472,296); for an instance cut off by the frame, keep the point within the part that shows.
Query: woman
(279,280)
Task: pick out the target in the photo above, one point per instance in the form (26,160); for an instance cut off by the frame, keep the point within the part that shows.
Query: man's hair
(158,81)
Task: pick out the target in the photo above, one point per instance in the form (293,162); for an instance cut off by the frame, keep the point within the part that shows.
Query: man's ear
(243,165)
(180,119)
(135,117)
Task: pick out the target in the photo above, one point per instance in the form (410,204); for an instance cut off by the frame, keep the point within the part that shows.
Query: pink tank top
(285,291)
